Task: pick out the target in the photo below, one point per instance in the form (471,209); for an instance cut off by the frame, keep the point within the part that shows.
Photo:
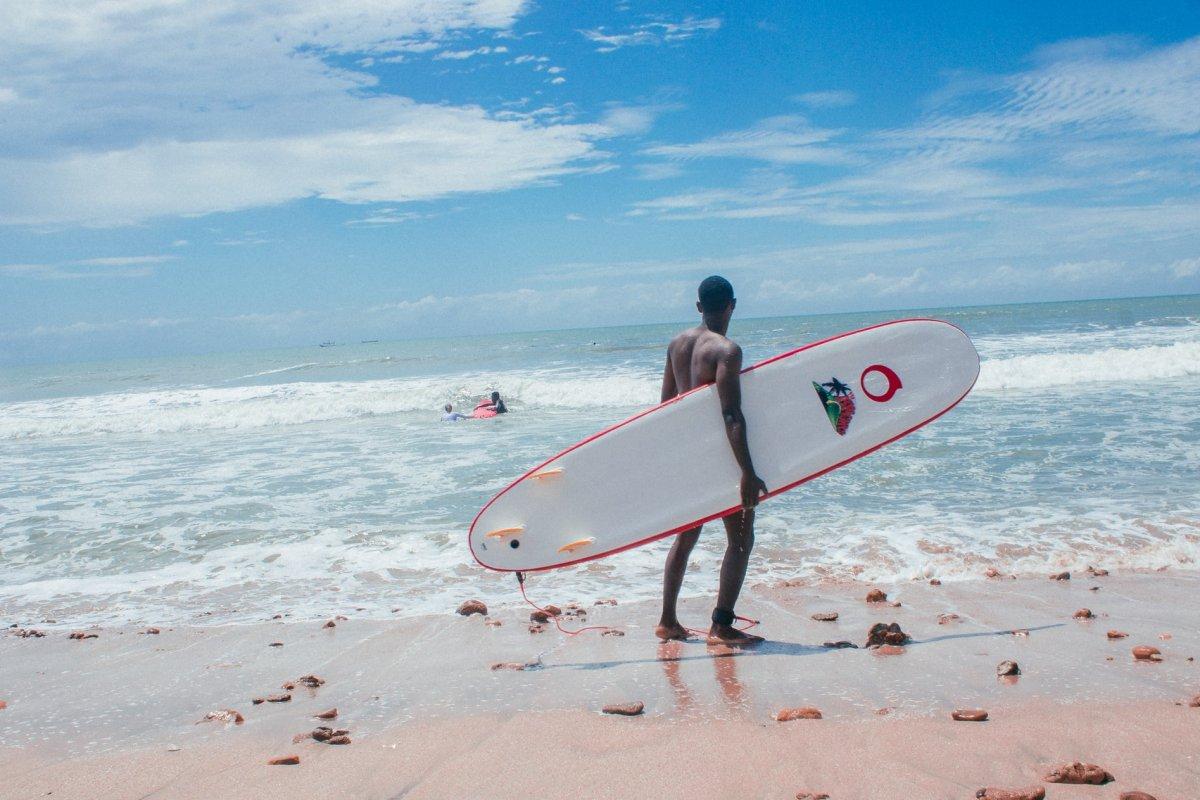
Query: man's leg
(677,561)
(739,531)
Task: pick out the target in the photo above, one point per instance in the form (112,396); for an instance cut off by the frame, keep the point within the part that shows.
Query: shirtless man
(696,357)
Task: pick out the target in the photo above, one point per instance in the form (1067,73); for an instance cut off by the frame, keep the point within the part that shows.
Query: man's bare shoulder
(683,338)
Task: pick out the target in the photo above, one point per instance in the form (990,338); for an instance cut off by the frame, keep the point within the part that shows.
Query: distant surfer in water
(451,415)
(490,408)
(696,357)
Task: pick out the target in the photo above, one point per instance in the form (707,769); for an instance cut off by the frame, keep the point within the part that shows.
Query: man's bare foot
(673,632)
(729,635)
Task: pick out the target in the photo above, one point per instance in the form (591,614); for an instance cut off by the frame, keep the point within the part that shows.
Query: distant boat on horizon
(369,341)
(328,344)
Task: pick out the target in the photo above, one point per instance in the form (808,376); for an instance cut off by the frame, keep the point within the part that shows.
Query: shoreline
(429,718)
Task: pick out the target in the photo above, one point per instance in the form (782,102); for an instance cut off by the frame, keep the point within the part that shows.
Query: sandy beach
(118,716)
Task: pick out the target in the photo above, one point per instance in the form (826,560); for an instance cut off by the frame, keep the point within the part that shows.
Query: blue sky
(193,176)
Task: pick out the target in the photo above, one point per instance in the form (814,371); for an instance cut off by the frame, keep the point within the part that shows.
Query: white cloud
(558,80)
(460,55)
(109,267)
(180,107)
(652,33)
(1186,268)
(827,99)
(779,140)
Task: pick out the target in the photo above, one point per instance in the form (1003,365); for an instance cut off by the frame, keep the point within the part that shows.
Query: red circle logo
(893,382)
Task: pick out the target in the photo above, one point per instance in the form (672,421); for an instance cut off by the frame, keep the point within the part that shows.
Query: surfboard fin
(571,547)
(553,472)
(501,533)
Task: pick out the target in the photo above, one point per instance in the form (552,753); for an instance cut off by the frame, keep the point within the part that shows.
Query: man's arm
(669,388)
(729,390)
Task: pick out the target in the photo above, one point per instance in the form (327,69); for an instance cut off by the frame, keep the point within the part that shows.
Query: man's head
(449,408)
(495,397)
(716,300)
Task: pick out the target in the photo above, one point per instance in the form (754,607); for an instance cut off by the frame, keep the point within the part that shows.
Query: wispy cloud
(651,33)
(103,267)
(778,140)
(259,116)
(460,55)
(832,98)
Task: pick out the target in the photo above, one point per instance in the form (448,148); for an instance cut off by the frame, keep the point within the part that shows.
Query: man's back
(695,355)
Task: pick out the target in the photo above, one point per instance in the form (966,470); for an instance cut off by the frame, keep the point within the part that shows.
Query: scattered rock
(1061,576)
(969,715)
(277,616)
(301,737)
(826,616)
(881,634)
(224,715)
(3,705)
(1079,773)
(888,650)
(329,714)
(1093,588)
(330,624)
(536,628)
(258,701)
(992,572)
(339,739)
(284,761)
(311,681)
(625,709)
(539,616)
(1028,793)
(1136,796)
(275,644)
(1084,613)
(934,582)
(493,623)
(151,632)
(1096,573)
(883,712)
(1193,703)
(1145,652)
(472,607)
(840,645)
(288,686)
(28,633)
(812,796)
(1022,632)
(510,665)
(876,596)
(609,601)
(1005,668)
(946,619)
(1117,634)
(80,635)
(791,714)
(279,698)
(323,733)
(1166,637)
(613,632)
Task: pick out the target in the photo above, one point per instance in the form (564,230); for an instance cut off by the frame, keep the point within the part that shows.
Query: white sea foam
(1109,365)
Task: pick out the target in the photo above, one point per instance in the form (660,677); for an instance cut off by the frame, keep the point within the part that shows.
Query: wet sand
(115,716)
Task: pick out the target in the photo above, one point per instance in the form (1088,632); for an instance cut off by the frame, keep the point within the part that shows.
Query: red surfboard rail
(732,509)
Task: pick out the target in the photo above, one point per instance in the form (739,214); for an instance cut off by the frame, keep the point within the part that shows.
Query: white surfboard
(670,468)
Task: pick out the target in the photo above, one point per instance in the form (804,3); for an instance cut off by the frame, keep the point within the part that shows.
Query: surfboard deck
(670,468)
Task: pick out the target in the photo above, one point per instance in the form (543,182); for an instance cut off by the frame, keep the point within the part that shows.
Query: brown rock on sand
(888,650)
(339,739)
(803,712)
(80,635)
(825,616)
(284,761)
(311,681)
(539,616)
(613,632)
(536,628)
(1028,793)
(1144,652)
(1193,703)
(1117,634)
(1061,576)
(934,582)
(812,796)
(992,572)
(275,644)
(330,714)
(324,733)
(515,666)
(608,601)
(1136,796)
(151,631)
(1084,613)
(279,698)
(840,645)
(625,709)
(876,596)
(3,705)
(1005,668)
(881,634)
(1096,573)
(946,619)
(224,715)
(27,633)
(969,715)
(1078,772)
(330,624)
(472,607)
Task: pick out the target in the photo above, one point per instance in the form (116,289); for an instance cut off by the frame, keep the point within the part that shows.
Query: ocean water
(315,481)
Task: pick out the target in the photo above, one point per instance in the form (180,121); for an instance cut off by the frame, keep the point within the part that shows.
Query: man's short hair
(715,294)
(495,395)
(449,408)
